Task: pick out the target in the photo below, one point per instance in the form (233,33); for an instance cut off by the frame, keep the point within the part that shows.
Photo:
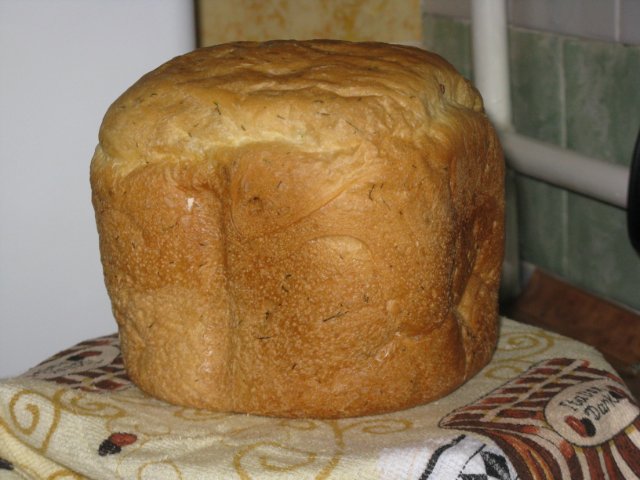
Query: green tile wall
(451,40)
(536,79)
(599,255)
(542,222)
(583,95)
(602,98)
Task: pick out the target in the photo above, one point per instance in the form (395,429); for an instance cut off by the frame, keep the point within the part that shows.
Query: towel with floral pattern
(546,407)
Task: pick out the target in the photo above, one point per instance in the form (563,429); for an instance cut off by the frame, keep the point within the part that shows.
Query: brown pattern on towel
(93,365)
(560,419)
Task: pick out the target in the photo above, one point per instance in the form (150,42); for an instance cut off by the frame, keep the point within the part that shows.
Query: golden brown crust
(301,228)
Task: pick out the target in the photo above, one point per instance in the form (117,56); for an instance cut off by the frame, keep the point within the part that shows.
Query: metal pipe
(491,58)
(595,178)
(564,168)
(491,77)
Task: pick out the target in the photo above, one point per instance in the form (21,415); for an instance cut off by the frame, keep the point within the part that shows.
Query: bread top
(314,96)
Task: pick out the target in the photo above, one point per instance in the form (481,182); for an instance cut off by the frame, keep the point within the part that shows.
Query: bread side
(301,228)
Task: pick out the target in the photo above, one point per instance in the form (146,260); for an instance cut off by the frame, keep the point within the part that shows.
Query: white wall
(62,62)
(610,20)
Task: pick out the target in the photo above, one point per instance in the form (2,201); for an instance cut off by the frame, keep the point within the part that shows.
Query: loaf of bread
(301,229)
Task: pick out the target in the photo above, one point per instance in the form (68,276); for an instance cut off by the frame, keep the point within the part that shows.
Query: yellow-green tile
(536,73)
(541,224)
(450,39)
(600,256)
(602,98)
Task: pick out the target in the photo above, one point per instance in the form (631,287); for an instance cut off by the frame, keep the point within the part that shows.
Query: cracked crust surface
(301,229)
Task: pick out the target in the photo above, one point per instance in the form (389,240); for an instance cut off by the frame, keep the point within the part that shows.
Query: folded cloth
(546,407)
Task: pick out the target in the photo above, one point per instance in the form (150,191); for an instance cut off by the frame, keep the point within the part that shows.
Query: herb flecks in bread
(301,229)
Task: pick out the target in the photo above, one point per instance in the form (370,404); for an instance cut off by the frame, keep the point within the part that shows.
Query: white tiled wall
(610,20)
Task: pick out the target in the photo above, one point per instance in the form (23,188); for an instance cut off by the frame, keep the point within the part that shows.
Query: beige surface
(50,430)
(395,21)
(301,228)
